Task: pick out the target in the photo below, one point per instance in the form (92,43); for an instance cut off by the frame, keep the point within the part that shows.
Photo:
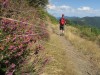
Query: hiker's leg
(63,29)
(62,32)
(60,29)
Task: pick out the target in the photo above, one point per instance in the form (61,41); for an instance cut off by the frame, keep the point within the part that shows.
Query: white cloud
(85,8)
(64,7)
(88,10)
(59,8)
(51,7)
(71,11)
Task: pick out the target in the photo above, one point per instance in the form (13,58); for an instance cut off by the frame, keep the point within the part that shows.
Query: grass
(89,33)
(85,46)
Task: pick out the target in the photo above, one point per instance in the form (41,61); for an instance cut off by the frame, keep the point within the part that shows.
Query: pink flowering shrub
(14,40)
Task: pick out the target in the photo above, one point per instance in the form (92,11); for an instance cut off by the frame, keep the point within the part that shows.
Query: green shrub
(87,32)
(53,19)
(37,3)
(43,14)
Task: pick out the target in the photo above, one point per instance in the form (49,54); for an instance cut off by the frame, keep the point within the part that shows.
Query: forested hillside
(88,21)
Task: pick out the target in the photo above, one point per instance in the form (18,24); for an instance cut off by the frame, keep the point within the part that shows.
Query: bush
(87,32)
(37,3)
(53,19)
(14,40)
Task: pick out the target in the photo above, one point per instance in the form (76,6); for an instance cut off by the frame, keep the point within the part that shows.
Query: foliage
(90,33)
(15,37)
(43,14)
(37,3)
(69,22)
(53,19)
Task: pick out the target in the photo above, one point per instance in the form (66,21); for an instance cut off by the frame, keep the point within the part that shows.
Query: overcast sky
(78,8)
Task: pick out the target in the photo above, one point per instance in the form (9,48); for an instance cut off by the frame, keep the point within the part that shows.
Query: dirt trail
(77,63)
(82,66)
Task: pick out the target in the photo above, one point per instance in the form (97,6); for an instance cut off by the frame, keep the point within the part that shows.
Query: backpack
(62,21)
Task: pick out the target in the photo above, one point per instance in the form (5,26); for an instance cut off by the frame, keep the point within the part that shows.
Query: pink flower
(19,54)
(12,65)
(10,73)
(14,39)
(1,48)
(11,47)
(6,62)
(20,46)
(15,48)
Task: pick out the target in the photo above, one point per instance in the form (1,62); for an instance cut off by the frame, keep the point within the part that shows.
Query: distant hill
(90,21)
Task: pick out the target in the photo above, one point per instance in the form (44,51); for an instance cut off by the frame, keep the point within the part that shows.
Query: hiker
(62,22)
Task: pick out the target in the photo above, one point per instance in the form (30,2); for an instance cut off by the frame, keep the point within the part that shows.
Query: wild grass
(83,45)
(89,33)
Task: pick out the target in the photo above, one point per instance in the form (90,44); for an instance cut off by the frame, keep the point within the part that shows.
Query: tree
(38,3)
